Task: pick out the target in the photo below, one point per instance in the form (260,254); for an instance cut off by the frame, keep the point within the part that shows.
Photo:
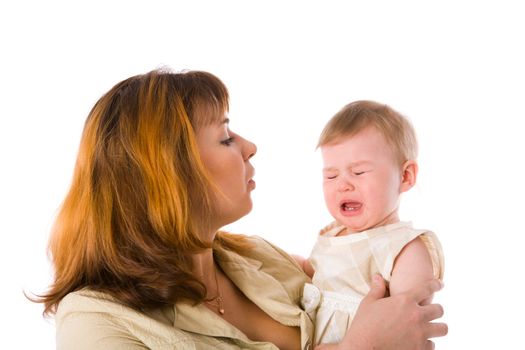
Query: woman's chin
(246,210)
(237,214)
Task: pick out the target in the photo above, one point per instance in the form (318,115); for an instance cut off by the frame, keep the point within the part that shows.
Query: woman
(139,259)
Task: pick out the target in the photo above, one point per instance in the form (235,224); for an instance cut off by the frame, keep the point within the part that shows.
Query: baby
(369,154)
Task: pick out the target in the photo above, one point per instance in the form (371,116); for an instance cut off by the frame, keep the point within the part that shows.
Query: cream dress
(344,267)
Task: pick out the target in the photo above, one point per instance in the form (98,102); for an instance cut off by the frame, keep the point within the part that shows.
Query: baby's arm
(412,267)
(305,265)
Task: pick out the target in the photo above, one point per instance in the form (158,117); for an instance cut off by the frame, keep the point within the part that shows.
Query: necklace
(218,299)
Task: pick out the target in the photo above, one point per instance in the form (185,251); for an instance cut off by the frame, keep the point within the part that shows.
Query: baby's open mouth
(351,206)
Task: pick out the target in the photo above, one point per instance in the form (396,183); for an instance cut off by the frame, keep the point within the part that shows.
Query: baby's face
(361,181)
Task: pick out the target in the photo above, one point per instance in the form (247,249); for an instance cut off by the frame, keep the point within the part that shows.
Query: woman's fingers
(431,312)
(429,345)
(397,322)
(426,290)
(435,330)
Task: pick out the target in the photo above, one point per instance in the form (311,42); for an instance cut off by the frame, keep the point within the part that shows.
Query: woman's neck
(204,268)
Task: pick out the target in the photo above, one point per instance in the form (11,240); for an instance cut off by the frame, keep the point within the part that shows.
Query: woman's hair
(140,194)
(356,116)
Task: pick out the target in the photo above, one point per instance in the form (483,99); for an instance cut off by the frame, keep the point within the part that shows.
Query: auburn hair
(358,115)
(139,194)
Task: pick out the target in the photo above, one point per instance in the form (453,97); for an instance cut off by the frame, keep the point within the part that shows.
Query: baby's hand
(305,265)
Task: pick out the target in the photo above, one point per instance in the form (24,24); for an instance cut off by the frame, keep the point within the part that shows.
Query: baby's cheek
(327,192)
(333,207)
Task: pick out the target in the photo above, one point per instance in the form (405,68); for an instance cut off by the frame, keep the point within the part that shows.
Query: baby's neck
(391,219)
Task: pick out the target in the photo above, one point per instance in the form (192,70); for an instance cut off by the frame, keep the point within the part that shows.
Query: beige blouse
(269,277)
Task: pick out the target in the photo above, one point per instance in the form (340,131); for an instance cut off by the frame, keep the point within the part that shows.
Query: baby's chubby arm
(412,266)
(305,265)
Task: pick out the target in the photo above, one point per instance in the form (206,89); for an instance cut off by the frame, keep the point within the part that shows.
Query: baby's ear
(408,175)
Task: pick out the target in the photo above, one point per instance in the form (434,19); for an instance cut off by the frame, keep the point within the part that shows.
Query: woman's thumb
(377,288)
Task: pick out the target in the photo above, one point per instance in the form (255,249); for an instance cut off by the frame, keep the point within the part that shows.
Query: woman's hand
(395,323)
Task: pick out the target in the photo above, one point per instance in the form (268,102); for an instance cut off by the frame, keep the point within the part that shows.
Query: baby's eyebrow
(359,163)
(349,165)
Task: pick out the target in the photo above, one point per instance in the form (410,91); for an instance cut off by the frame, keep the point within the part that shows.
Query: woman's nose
(249,149)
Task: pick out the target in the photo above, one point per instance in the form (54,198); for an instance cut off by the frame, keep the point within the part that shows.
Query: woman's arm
(84,331)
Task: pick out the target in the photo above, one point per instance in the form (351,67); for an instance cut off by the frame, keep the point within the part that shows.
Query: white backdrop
(454,67)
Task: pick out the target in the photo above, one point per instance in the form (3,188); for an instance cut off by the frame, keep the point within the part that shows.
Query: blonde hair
(356,116)
(140,194)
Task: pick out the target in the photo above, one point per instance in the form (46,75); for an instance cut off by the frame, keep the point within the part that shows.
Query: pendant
(220,305)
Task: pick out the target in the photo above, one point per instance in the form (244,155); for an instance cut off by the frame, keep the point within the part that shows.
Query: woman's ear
(408,175)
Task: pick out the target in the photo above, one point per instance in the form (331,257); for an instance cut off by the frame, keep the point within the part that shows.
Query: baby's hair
(356,116)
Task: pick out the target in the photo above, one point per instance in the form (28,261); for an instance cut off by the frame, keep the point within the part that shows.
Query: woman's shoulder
(268,251)
(90,301)
(102,322)
(267,257)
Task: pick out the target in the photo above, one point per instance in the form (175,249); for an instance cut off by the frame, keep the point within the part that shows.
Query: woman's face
(226,156)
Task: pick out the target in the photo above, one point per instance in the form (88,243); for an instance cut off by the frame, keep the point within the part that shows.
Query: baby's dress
(344,267)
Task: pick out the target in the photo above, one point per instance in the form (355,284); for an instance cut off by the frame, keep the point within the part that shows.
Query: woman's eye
(228,141)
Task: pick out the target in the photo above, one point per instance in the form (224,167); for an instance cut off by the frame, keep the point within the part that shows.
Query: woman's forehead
(208,114)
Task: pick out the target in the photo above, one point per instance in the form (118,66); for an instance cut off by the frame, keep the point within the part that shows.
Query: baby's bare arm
(412,267)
